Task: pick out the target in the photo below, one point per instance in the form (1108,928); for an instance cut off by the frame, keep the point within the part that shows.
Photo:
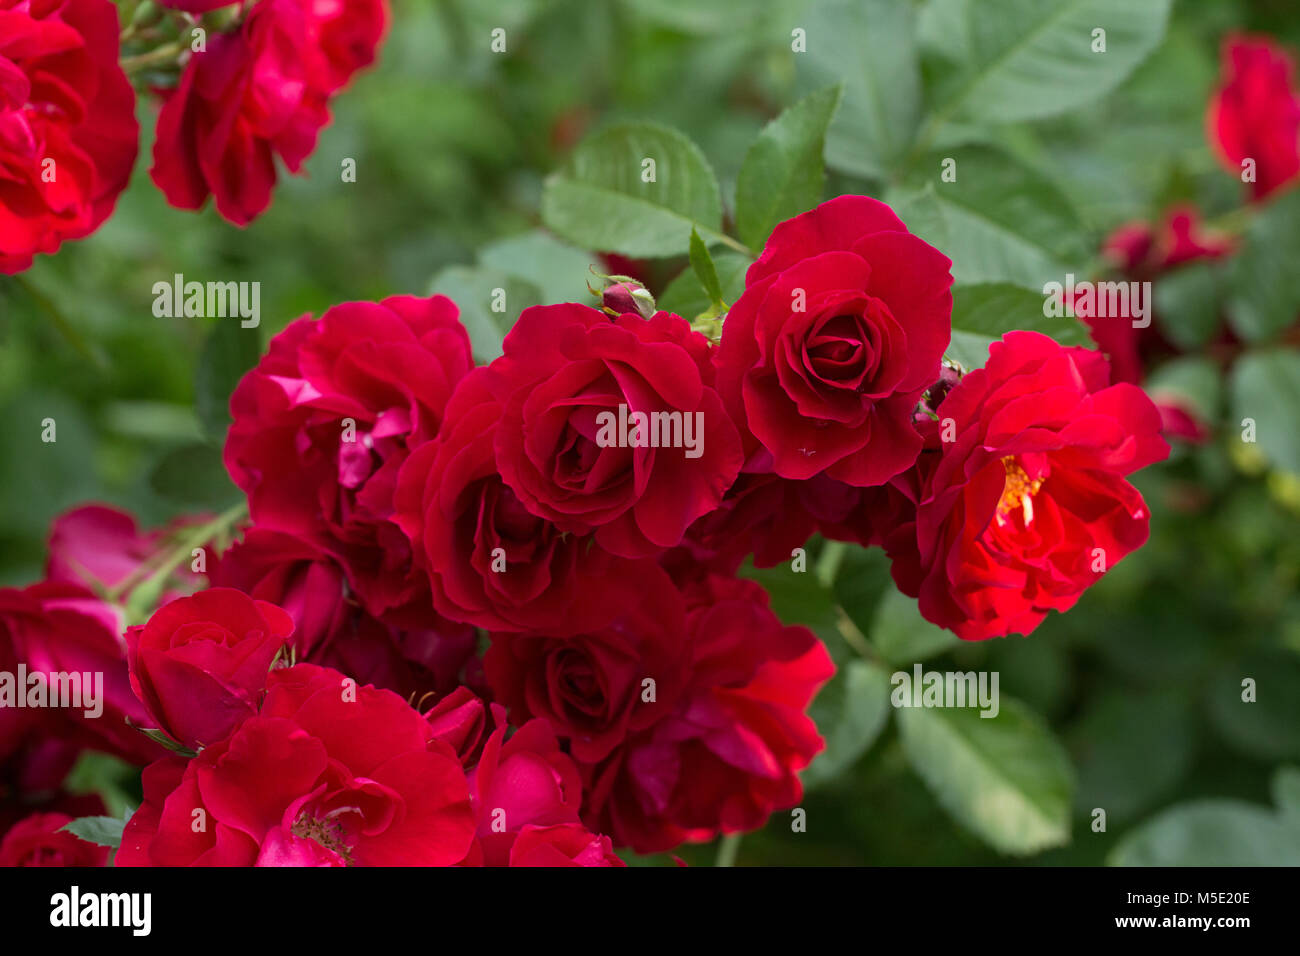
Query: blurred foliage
(1131,702)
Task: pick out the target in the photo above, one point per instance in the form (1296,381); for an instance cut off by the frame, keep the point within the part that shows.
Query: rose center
(328,831)
(1017,492)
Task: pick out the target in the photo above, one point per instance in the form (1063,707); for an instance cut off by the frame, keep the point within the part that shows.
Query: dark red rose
(591,686)
(491,561)
(255,94)
(200,664)
(332,629)
(326,774)
(40,840)
(728,754)
(843,322)
(68,134)
(324,422)
(569,443)
(461,721)
(1255,113)
(526,780)
(565,844)
(1028,507)
(54,628)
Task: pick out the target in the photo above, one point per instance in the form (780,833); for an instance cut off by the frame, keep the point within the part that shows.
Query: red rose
(843,322)
(1255,113)
(255,94)
(201,662)
(526,780)
(55,628)
(40,840)
(331,629)
(1027,507)
(572,444)
(326,774)
(589,686)
(565,844)
(324,422)
(68,134)
(460,720)
(491,561)
(729,752)
(103,548)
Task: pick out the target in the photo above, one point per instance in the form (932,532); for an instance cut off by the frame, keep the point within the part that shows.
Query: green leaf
(1006,778)
(998,221)
(902,636)
(1189,301)
(871,46)
(195,476)
(862,582)
(102,831)
(1267,728)
(1265,388)
(783,173)
(229,351)
(995,308)
(490,301)
(599,199)
(1210,833)
(702,264)
(1194,381)
(850,711)
(968,348)
(1286,794)
(685,296)
(556,269)
(1030,59)
(1260,306)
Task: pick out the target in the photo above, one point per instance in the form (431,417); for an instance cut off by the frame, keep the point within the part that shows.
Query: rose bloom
(1255,113)
(1028,506)
(589,686)
(728,752)
(571,374)
(841,327)
(68,134)
(325,774)
(258,93)
(324,422)
(565,844)
(491,561)
(332,629)
(200,663)
(40,840)
(57,628)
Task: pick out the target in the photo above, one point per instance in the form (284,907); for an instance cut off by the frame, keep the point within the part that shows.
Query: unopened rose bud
(624,297)
(948,379)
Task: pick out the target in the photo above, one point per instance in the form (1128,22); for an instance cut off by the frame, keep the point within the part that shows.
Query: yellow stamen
(1018,492)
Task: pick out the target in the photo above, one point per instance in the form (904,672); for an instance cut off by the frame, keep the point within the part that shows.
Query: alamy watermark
(179,299)
(68,690)
(1113,300)
(946,689)
(651,430)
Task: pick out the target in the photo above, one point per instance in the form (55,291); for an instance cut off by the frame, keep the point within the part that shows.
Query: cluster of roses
(1253,127)
(254,84)
(402,499)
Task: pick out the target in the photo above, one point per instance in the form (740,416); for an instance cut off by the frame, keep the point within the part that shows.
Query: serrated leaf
(1265,388)
(1030,59)
(783,173)
(1006,778)
(102,831)
(998,221)
(850,711)
(478,291)
(556,269)
(229,351)
(685,296)
(871,46)
(901,635)
(702,265)
(1210,833)
(600,200)
(994,308)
